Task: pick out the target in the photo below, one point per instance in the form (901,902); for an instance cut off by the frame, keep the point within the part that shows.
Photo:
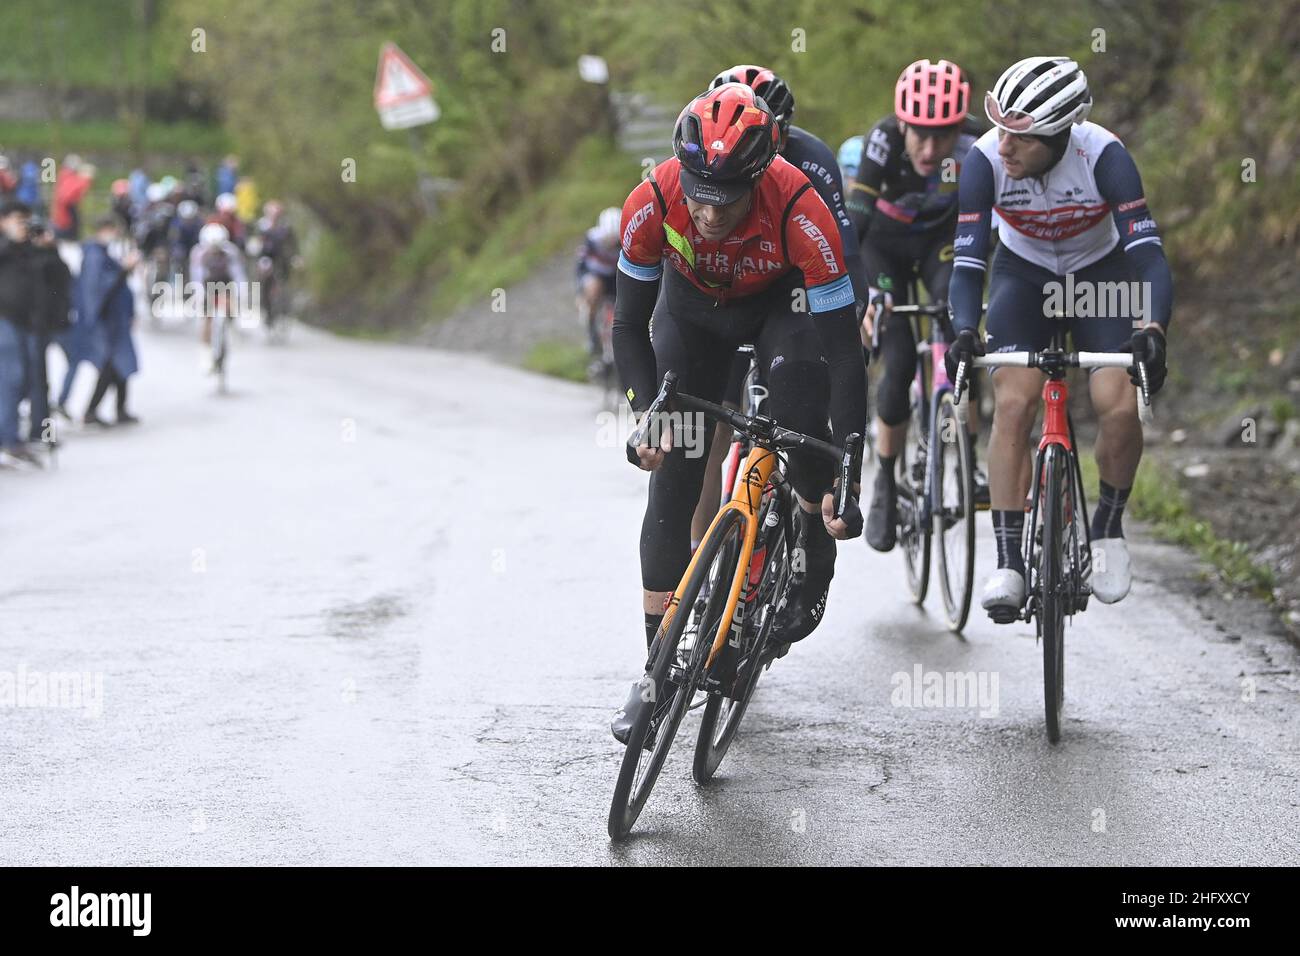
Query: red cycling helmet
(932,94)
(725,139)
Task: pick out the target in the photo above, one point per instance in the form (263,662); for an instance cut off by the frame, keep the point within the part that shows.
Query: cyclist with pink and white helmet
(903,204)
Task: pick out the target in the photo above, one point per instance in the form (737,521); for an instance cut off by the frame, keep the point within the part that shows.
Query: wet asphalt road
(377,604)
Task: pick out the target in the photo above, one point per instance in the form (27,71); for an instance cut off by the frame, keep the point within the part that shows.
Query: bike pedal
(1003,615)
(775,653)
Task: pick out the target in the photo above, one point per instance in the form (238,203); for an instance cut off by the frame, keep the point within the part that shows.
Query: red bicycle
(1056,545)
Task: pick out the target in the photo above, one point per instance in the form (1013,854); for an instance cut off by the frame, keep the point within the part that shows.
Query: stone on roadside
(1233,430)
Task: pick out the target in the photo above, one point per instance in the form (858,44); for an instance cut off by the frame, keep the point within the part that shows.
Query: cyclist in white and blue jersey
(1070,201)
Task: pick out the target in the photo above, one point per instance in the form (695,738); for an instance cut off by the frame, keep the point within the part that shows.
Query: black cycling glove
(964,347)
(1148,346)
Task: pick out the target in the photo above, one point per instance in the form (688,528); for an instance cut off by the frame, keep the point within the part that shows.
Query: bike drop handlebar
(1053,360)
(760,429)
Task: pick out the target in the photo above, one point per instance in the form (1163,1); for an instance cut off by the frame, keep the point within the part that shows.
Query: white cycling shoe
(1004,595)
(1112,573)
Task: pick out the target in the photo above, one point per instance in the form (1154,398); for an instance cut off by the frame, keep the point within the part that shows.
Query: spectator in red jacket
(75,179)
(8,181)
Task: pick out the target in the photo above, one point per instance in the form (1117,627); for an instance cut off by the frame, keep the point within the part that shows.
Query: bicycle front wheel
(954,512)
(677,664)
(722,715)
(1053,557)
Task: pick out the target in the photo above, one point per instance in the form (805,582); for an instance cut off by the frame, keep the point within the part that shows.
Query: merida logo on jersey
(810,230)
(639,217)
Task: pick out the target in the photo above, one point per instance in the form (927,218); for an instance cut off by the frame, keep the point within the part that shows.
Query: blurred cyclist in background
(183,235)
(596,267)
(216,259)
(849,155)
(274,248)
(225,215)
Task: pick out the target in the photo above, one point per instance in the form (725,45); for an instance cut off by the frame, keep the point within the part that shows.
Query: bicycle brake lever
(639,437)
(959,397)
(1145,415)
(849,466)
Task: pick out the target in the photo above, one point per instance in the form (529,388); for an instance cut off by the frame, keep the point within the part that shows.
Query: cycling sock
(652,622)
(1107,520)
(1007,529)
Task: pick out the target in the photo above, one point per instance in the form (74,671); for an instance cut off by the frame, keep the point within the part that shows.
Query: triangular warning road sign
(398,80)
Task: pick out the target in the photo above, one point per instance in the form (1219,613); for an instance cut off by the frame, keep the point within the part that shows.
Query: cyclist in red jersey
(754,255)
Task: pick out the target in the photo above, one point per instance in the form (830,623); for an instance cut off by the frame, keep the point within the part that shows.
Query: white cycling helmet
(609,225)
(187,209)
(213,234)
(226,202)
(156,192)
(1039,96)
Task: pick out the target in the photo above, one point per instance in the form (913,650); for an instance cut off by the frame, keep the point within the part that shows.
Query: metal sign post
(404,100)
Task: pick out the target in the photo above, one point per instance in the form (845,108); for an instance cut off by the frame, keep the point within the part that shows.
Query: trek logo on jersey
(1141,225)
(1055,224)
(1135,204)
(638,219)
(810,229)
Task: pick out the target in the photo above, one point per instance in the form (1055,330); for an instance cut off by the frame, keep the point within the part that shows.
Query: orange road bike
(714,638)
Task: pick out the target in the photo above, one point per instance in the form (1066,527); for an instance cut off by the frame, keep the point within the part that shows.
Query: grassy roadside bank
(1159,499)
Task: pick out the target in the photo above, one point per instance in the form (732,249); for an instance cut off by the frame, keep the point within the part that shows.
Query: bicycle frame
(747,497)
(935,347)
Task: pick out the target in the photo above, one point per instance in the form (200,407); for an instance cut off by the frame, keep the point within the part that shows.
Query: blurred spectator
(246,201)
(29,187)
(8,181)
(139,181)
(122,206)
(49,318)
(104,299)
(194,184)
(18,294)
(75,179)
(227,175)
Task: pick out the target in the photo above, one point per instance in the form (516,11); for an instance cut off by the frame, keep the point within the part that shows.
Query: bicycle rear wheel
(913,531)
(1053,557)
(677,664)
(722,715)
(221,349)
(954,516)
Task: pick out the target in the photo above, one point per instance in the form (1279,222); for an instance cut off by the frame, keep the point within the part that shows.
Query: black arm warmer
(843,350)
(633,354)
